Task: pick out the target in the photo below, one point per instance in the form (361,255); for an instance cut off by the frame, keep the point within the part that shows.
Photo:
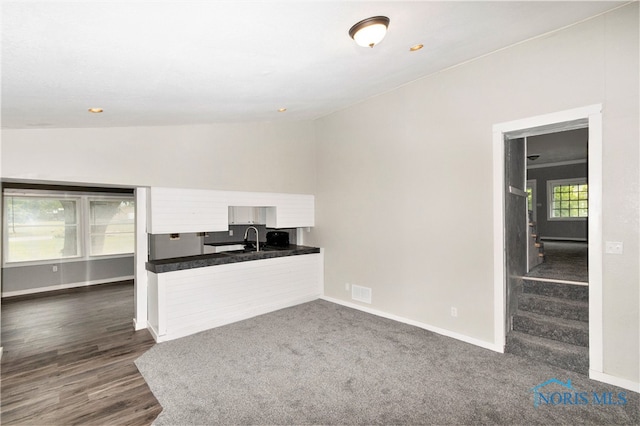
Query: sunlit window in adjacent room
(48,226)
(40,228)
(568,199)
(112,226)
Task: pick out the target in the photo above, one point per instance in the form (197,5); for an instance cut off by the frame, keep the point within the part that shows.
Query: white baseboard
(615,381)
(178,332)
(64,286)
(154,333)
(579,240)
(139,325)
(438,330)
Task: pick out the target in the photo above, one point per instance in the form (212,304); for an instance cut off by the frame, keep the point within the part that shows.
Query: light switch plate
(613,247)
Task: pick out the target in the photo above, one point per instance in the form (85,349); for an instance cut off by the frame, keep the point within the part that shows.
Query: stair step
(554,328)
(577,310)
(564,291)
(563,355)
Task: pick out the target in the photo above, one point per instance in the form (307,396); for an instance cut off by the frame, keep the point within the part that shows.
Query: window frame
(83,225)
(564,182)
(88,234)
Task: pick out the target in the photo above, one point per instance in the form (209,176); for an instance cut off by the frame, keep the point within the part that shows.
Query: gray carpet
(321,363)
(563,261)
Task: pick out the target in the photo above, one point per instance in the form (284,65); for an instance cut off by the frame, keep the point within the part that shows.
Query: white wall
(404,199)
(403,182)
(244,157)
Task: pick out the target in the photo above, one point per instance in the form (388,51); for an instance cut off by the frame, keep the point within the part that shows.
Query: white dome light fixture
(370,31)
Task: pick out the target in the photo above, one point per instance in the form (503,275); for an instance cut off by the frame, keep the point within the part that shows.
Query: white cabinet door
(244,215)
(292,211)
(175,210)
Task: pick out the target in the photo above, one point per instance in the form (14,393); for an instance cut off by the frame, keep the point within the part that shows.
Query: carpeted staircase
(552,325)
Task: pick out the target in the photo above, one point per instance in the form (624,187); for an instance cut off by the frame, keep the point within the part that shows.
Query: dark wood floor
(69,359)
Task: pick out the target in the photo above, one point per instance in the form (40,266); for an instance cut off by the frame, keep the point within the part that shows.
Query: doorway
(96,231)
(587,117)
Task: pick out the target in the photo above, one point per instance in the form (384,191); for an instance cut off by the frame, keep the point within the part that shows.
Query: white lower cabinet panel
(194,300)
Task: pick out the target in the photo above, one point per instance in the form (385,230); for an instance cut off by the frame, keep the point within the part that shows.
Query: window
(568,199)
(40,228)
(46,226)
(112,226)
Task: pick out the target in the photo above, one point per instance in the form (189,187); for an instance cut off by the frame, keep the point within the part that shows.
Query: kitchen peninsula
(189,294)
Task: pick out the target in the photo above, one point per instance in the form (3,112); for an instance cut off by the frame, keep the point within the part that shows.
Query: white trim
(559,163)
(596,328)
(551,280)
(499,259)
(578,240)
(140,258)
(154,333)
(579,117)
(615,381)
(78,259)
(65,286)
(1,352)
(438,330)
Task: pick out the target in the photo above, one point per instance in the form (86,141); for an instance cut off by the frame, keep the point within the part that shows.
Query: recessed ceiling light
(416,47)
(95,110)
(282,109)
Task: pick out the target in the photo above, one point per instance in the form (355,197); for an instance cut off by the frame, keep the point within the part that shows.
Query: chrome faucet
(246,233)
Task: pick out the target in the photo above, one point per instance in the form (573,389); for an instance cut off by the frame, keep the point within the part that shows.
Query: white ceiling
(151,63)
(559,147)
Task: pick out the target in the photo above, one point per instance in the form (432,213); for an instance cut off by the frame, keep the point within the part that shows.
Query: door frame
(533,184)
(588,116)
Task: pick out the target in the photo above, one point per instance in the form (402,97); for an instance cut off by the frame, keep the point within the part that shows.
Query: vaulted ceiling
(149,63)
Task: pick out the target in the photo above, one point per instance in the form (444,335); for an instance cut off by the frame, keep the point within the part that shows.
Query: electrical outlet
(55,268)
(231,232)
(346,286)
(613,247)
(454,311)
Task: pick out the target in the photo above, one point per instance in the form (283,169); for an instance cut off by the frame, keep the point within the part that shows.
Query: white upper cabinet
(282,210)
(174,210)
(244,215)
(292,211)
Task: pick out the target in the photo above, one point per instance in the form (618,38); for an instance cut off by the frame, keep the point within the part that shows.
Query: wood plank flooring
(69,359)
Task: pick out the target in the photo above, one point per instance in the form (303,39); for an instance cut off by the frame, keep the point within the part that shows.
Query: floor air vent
(361,294)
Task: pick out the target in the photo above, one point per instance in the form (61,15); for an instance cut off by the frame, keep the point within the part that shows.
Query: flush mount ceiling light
(282,109)
(95,110)
(370,31)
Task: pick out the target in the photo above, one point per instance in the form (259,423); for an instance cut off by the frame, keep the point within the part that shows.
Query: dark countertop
(203,260)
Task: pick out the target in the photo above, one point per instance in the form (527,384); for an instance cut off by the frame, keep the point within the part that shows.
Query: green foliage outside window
(569,201)
(49,228)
